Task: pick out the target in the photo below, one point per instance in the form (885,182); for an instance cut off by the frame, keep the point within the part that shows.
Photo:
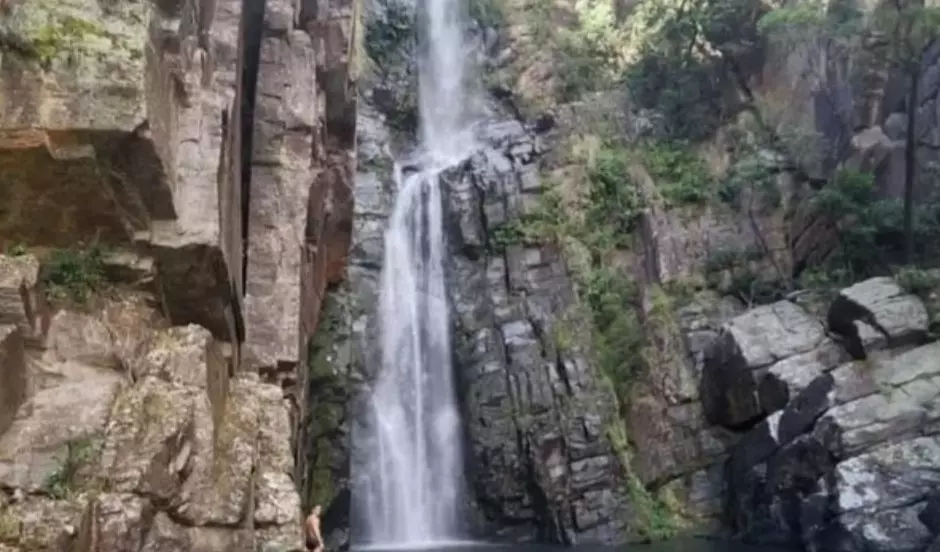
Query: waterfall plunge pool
(678,545)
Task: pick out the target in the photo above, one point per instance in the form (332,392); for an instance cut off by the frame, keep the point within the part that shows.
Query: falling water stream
(412,496)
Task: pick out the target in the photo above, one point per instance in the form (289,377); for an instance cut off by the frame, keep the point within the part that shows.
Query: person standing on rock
(312,535)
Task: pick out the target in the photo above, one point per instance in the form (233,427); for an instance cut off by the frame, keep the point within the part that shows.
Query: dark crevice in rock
(727,387)
(238,319)
(251,34)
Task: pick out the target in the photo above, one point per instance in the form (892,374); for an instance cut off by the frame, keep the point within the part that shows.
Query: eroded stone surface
(20,301)
(851,460)
(146,430)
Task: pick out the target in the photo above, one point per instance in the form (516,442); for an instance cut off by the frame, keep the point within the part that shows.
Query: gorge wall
(175,199)
(651,335)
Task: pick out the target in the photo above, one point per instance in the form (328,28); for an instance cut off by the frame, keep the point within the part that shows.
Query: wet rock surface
(540,464)
(537,415)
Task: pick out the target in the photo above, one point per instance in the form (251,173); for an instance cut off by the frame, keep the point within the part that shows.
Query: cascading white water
(412,491)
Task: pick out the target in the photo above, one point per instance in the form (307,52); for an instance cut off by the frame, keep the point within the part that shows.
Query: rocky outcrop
(212,142)
(132,434)
(843,455)
(210,130)
(537,414)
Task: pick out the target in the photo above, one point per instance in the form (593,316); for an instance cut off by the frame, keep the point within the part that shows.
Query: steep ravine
(192,205)
(175,202)
(536,470)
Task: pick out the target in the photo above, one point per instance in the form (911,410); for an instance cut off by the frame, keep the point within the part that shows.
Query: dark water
(686,545)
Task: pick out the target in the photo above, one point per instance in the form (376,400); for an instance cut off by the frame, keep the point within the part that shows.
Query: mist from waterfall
(411,495)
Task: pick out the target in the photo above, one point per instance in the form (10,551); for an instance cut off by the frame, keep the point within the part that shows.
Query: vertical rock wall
(214,138)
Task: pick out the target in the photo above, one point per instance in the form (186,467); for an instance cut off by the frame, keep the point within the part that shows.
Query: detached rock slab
(850,464)
(152,437)
(182,354)
(751,341)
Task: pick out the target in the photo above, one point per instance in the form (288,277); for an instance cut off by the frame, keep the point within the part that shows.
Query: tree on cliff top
(684,69)
(894,38)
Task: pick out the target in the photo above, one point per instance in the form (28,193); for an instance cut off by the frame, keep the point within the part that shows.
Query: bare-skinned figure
(312,536)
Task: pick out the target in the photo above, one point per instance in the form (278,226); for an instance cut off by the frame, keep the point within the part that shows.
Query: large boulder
(751,352)
(850,463)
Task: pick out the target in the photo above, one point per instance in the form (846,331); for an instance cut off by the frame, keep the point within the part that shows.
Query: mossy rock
(86,39)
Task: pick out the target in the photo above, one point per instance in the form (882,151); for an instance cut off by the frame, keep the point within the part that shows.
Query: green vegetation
(743,273)
(918,281)
(657,518)
(17,250)
(751,177)
(925,284)
(600,223)
(327,391)
(681,177)
(67,33)
(618,332)
(388,45)
(548,223)
(894,38)
(871,229)
(684,67)
(585,41)
(74,274)
(614,202)
(69,476)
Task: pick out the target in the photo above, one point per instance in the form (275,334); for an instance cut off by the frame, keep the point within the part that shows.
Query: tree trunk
(910,165)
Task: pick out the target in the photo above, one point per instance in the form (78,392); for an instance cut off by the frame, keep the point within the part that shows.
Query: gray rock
(868,310)
(849,463)
(754,340)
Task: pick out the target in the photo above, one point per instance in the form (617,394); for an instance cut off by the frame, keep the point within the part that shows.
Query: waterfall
(412,458)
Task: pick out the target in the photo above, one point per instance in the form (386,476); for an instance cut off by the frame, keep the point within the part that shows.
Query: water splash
(411,495)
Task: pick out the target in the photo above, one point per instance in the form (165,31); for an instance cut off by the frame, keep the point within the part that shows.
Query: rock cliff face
(540,463)
(185,356)
(207,148)
(537,413)
(845,457)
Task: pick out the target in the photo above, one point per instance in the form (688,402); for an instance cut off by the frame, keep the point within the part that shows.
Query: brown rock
(115,522)
(20,302)
(218,488)
(166,536)
(179,355)
(36,443)
(39,523)
(151,429)
(81,338)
